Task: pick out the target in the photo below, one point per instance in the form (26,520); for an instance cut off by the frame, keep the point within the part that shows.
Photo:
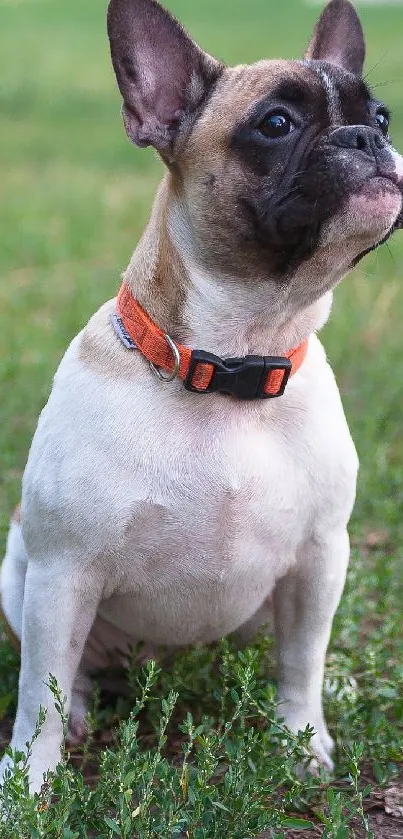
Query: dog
(193,460)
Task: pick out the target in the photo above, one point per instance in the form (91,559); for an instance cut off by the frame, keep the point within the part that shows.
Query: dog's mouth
(382,188)
(398,225)
(365,252)
(362,215)
(380,204)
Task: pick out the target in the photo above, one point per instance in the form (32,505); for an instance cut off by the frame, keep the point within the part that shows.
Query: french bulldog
(193,462)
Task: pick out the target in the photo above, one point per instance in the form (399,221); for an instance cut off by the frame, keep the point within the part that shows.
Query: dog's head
(281,169)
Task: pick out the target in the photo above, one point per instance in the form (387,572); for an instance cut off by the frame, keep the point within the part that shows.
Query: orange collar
(251,377)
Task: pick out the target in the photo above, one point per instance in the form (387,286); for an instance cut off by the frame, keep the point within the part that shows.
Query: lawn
(75,197)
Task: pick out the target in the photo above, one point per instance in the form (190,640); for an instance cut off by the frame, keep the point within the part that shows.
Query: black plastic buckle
(244,378)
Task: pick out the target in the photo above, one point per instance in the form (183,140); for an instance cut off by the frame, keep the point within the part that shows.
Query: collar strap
(250,377)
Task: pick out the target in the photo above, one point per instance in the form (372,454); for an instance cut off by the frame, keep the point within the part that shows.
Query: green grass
(75,197)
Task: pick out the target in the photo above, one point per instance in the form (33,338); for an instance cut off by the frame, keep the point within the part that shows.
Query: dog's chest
(194,506)
(221,517)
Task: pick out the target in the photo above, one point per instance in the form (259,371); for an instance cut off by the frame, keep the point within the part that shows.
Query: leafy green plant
(233,774)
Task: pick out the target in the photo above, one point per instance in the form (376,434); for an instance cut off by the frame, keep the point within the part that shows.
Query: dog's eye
(276,125)
(382,121)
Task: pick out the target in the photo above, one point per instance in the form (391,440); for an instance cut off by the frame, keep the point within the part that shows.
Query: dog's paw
(77,728)
(326,740)
(321,744)
(76,732)
(318,758)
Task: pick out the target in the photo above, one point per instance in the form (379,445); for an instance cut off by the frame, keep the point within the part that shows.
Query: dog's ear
(338,37)
(162,74)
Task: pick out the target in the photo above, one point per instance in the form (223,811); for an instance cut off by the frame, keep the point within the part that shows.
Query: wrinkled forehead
(327,94)
(344,97)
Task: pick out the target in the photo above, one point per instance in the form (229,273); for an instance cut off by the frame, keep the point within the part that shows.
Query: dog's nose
(360,137)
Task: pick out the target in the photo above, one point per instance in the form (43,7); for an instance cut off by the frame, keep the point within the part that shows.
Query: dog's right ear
(338,37)
(162,74)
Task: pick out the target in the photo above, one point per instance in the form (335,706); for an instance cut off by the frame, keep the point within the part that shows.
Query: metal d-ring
(177,360)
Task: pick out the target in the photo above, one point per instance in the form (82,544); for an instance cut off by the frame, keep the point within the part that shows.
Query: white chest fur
(190,507)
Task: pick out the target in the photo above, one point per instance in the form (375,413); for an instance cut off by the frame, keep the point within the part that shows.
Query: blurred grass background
(75,196)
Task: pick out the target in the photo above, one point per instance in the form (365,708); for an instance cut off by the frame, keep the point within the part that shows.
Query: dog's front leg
(59,610)
(305,602)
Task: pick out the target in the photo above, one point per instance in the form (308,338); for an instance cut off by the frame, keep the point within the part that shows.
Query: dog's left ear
(162,74)
(338,38)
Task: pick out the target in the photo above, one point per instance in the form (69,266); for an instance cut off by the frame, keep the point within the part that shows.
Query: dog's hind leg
(12,579)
